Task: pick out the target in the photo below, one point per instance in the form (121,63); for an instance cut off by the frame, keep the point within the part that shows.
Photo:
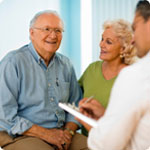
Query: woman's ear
(122,52)
(122,49)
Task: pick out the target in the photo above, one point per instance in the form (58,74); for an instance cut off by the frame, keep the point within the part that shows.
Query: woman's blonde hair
(124,32)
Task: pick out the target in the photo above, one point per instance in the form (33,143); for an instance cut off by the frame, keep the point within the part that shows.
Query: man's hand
(69,138)
(69,126)
(92,109)
(59,138)
(56,137)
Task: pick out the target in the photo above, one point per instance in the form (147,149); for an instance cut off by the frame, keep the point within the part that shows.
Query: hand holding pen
(86,101)
(91,108)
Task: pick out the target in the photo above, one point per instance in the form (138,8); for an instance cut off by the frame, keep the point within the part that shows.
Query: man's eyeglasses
(50,30)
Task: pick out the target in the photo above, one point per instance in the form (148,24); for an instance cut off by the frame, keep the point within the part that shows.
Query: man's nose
(52,34)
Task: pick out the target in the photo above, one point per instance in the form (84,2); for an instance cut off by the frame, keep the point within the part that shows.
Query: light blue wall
(71,46)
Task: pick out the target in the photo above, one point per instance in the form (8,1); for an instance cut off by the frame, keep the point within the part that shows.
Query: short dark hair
(143,8)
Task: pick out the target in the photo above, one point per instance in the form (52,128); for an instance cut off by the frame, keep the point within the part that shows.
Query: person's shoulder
(62,58)
(138,66)
(14,55)
(130,71)
(95,64)
(137,71)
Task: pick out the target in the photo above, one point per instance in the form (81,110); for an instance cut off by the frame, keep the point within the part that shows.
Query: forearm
(71,125)
(37,131)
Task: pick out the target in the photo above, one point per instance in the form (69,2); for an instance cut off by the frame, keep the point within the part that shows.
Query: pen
(86,101)
(57,82)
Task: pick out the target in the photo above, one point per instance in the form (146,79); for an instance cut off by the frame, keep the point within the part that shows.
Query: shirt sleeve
(75,95)
(9,94)
(120,119)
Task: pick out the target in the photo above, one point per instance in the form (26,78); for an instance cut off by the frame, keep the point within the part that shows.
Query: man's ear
(31,31)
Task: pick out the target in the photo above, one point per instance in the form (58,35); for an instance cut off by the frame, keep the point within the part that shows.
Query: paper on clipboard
(79,115)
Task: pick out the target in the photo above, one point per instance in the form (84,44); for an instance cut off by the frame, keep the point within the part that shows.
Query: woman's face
(110,46)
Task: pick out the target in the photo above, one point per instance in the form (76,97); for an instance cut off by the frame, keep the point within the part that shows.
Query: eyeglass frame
(50,30)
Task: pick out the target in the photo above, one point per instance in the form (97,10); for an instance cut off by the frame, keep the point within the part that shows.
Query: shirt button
(49,84)
(51,99)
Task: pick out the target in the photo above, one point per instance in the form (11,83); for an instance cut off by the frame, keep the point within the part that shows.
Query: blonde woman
(116,53)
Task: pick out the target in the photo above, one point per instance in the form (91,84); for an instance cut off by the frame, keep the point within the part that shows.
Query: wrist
(70,131)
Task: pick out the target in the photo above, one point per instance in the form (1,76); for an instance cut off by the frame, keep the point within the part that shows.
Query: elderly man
(126,122)
(33,80)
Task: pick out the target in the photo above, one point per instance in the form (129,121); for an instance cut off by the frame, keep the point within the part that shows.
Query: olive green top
(93,83)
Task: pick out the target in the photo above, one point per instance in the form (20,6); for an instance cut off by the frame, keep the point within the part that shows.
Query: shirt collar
(34,53)
(36,56)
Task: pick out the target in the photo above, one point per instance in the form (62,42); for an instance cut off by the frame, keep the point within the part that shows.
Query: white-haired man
(34,79)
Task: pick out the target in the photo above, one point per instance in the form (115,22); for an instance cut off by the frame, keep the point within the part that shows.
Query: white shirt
(126,122)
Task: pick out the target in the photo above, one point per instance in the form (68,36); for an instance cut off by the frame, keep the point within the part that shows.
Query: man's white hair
(33,20)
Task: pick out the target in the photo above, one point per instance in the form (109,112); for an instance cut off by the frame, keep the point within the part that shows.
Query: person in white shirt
(126,122)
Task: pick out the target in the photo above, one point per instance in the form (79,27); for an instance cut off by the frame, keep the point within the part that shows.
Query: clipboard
(79,115)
